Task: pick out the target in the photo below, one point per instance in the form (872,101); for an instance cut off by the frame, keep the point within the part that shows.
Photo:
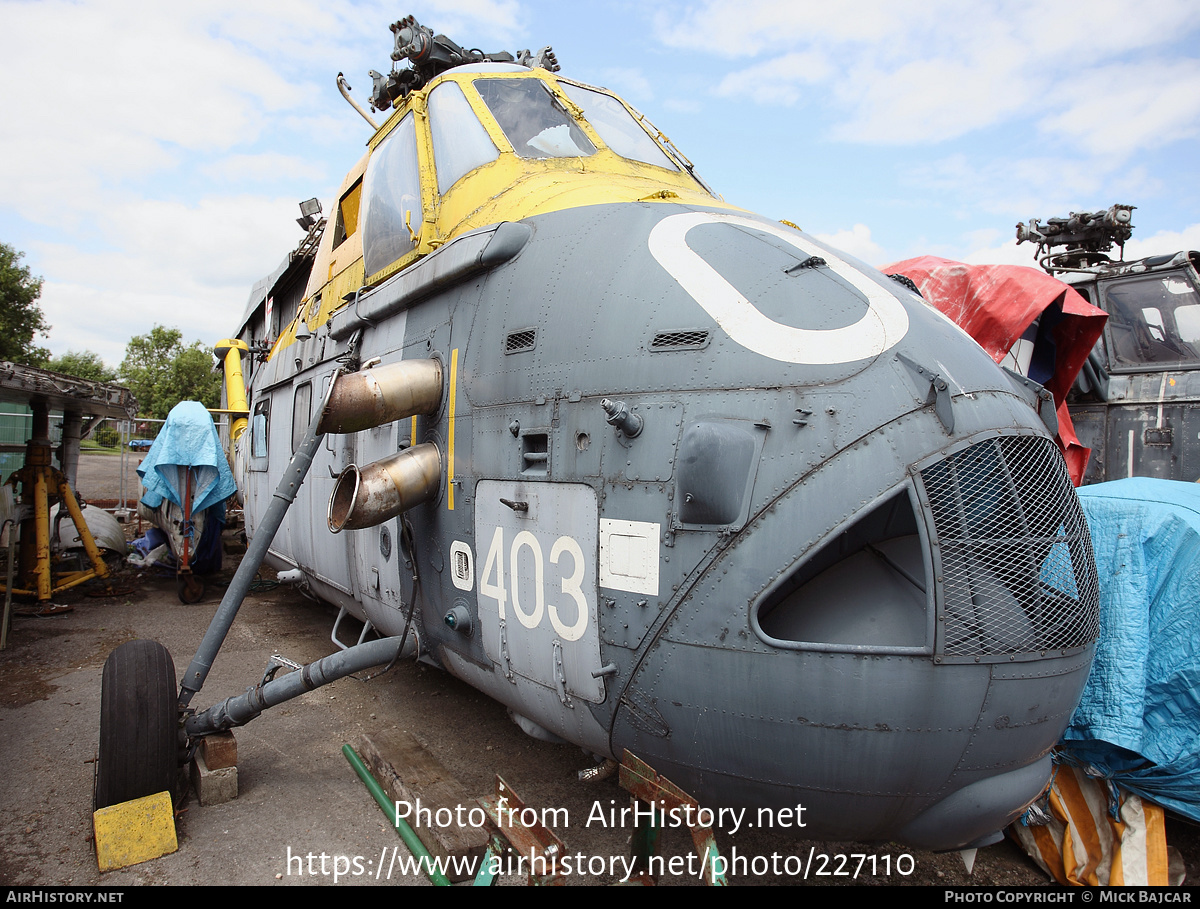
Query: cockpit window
(1153,321)
(617,127)
(533,120)
(392,199)
(347,214)
(460,143)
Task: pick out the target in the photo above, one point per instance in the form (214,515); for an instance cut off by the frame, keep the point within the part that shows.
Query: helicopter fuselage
(702,487)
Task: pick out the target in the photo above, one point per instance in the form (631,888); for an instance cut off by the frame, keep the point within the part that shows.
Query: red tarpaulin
(994,304)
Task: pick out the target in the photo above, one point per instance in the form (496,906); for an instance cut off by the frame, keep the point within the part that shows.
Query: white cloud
(155,153)
(1163,242)
(1034,187)
(925,101)
(264,167)
(126,94)
(917,72)
(1006,253)
(629,82)
(778,80)
(188,266)
(738,28)
(82,317)
(177,247)
(856,241)
(1120,109)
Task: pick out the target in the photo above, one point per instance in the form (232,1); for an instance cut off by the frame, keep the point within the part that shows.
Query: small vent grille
(679,340)
(1017,571)
(518,341)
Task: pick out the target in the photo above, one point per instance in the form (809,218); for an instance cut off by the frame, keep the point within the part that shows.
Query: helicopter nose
(985,557)
(908,673)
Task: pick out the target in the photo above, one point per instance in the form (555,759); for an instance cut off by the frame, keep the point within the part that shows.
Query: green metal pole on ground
(411,840)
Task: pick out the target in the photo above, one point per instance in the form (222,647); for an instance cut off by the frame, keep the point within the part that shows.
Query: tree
(20,316)
(85,365)
(161,372)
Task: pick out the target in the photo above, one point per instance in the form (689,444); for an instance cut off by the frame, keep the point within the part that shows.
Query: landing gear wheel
(189,588)
(139,752)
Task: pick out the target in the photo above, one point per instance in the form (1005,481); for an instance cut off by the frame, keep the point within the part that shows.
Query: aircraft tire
(138,753)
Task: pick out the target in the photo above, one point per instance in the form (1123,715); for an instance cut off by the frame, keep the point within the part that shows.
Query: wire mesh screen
(678,340)
(520,340)
(1017,571)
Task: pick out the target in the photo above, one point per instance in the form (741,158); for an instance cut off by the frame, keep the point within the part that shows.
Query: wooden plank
(408,772)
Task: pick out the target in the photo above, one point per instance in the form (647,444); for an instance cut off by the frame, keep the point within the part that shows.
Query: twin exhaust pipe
(367,496)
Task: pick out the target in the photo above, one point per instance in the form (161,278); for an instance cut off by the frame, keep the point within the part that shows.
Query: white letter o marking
(881,327)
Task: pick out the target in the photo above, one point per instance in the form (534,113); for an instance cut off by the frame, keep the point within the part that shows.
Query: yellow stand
(40,483)
(134,831)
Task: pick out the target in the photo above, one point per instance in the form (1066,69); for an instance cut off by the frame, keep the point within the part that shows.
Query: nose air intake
(367,496)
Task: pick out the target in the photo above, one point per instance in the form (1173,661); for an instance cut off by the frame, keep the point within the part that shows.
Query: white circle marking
(881,327)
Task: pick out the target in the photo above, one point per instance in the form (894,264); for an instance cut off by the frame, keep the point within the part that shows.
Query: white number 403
(493,567)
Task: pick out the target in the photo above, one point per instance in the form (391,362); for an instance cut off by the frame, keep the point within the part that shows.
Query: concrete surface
(298,795)
(99,477)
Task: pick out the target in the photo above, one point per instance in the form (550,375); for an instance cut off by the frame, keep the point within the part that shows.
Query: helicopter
(1134,402)
(656,473)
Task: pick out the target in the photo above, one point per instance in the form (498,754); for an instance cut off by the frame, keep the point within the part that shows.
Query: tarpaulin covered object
(1138,722)
(187,440)
(186,458)
(995,304)
(1097,836)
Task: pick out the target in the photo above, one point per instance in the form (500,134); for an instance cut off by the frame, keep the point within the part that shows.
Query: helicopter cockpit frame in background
(1136,403)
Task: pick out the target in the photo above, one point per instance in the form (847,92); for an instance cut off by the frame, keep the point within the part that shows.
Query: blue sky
(154,154)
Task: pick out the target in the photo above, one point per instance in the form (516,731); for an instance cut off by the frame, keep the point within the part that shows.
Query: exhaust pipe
(384,394)
(367,496)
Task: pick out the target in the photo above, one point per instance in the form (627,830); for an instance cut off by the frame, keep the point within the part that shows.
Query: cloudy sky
(153,155)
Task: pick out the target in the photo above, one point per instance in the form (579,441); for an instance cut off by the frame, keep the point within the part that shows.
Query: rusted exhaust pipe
(362,400)
(366,496)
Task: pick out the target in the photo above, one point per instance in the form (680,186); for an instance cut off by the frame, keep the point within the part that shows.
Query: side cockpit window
(617,127)
(460,143)
(533,120)
(259,426)
(347,214)
(1153,322)
(392,199)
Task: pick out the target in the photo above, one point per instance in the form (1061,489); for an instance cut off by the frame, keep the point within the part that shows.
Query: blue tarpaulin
(187,441)
(1139,719)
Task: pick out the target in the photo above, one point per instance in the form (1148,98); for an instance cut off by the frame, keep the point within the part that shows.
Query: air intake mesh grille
(679,340)
(1017,571)
(520,340)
